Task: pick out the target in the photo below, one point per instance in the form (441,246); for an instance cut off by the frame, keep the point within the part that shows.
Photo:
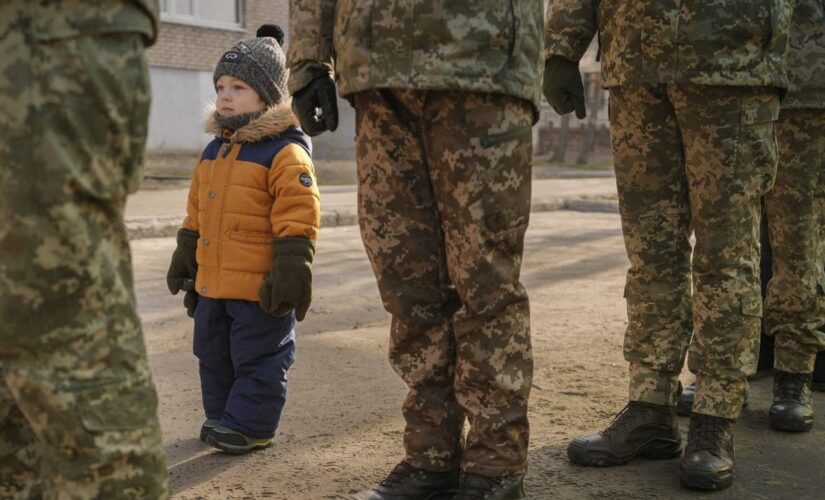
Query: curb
(161,227)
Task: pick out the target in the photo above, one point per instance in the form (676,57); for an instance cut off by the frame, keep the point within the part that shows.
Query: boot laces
(400,474)
(790,385)
(707,433)
(477,488)
(619,422)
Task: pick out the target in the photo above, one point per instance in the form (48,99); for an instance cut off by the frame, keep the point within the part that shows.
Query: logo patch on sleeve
(305,179)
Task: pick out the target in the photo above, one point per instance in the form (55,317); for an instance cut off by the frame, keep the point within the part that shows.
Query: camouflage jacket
(66,18)
(710,42)
(806,56)
(475,45)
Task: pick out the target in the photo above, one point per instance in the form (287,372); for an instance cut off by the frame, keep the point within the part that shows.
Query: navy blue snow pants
(244,355)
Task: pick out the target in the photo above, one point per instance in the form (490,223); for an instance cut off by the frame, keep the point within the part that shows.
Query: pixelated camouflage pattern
(18,451)
(711,42)
(806,56)
(692,158)
(74,371)
(475,45)
(795,302)
(57,19)
(444,201)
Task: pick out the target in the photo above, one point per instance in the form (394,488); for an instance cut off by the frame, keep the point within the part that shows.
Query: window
(214,13)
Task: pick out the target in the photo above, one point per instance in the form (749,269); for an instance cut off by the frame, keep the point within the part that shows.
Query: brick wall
(185,46)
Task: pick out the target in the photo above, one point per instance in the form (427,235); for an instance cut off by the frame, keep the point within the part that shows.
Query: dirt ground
(341,429)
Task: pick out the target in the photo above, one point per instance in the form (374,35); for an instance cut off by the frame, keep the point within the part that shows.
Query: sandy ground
(341,429)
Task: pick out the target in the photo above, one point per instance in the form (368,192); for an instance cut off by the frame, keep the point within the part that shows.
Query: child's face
(236,97)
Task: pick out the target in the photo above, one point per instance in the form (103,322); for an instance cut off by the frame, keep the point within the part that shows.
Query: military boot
(792,408)
(684,405)
(639,430)
(475,487)
(406,482)
(708,462)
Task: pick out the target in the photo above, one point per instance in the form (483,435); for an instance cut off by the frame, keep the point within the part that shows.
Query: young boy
(245,249)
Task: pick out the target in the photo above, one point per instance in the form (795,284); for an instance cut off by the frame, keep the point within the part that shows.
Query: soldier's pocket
(504,158)
(118,406)
(92,120)
(756,148)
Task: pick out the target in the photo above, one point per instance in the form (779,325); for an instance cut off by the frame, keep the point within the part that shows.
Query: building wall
(194,47)
(180,67)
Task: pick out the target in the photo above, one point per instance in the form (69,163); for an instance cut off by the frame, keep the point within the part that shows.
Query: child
(244,252)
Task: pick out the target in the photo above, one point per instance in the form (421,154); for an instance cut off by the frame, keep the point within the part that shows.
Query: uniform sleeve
(569,28)
(297,207)
(311,47)
(191,220)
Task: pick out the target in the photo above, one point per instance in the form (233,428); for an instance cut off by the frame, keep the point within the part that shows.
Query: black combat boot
(684,405)
(708,462)
(792,408)
(475,487)
(818,382)
(639,430)
(406,482)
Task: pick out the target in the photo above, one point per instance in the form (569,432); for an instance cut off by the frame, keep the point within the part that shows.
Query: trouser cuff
(792,357)
(719,397)
(653,386)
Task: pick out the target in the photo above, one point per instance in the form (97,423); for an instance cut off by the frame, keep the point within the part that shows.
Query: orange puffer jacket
(250,187)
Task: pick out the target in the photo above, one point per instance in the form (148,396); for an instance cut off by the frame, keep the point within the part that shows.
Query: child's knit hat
(260,63)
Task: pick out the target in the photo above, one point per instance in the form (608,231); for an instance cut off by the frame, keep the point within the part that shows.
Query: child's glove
(184,266)
(289,284)
(190,301)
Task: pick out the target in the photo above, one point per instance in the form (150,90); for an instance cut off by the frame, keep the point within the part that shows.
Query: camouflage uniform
(693,97)
(795,207)
(77,405)
(443,117)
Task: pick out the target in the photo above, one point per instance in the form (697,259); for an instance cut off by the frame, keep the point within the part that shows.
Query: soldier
(694,93)
(77,404)
(793,257)
(795,303)
(445,95)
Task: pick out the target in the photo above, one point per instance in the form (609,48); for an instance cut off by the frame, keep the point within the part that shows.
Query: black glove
(190,301)
(563,86)
(183,266)
(288,285)
(319,93)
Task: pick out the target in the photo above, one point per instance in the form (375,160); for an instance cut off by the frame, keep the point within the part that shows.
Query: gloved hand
(190,301)
(183,266)
(319,93)
(563,86)
(288,285)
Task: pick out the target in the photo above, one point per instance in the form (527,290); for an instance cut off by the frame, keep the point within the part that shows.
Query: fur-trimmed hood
(273,122)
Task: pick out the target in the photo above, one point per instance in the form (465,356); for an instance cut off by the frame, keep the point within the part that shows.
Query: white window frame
(194,20)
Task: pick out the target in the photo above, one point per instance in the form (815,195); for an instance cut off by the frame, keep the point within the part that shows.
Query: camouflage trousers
(693,159)
(795,208)
(443,205)
(77,404)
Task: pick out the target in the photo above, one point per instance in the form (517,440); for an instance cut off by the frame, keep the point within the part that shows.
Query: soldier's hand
(184,266)
(288,285)
(315,105)
(563,86)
